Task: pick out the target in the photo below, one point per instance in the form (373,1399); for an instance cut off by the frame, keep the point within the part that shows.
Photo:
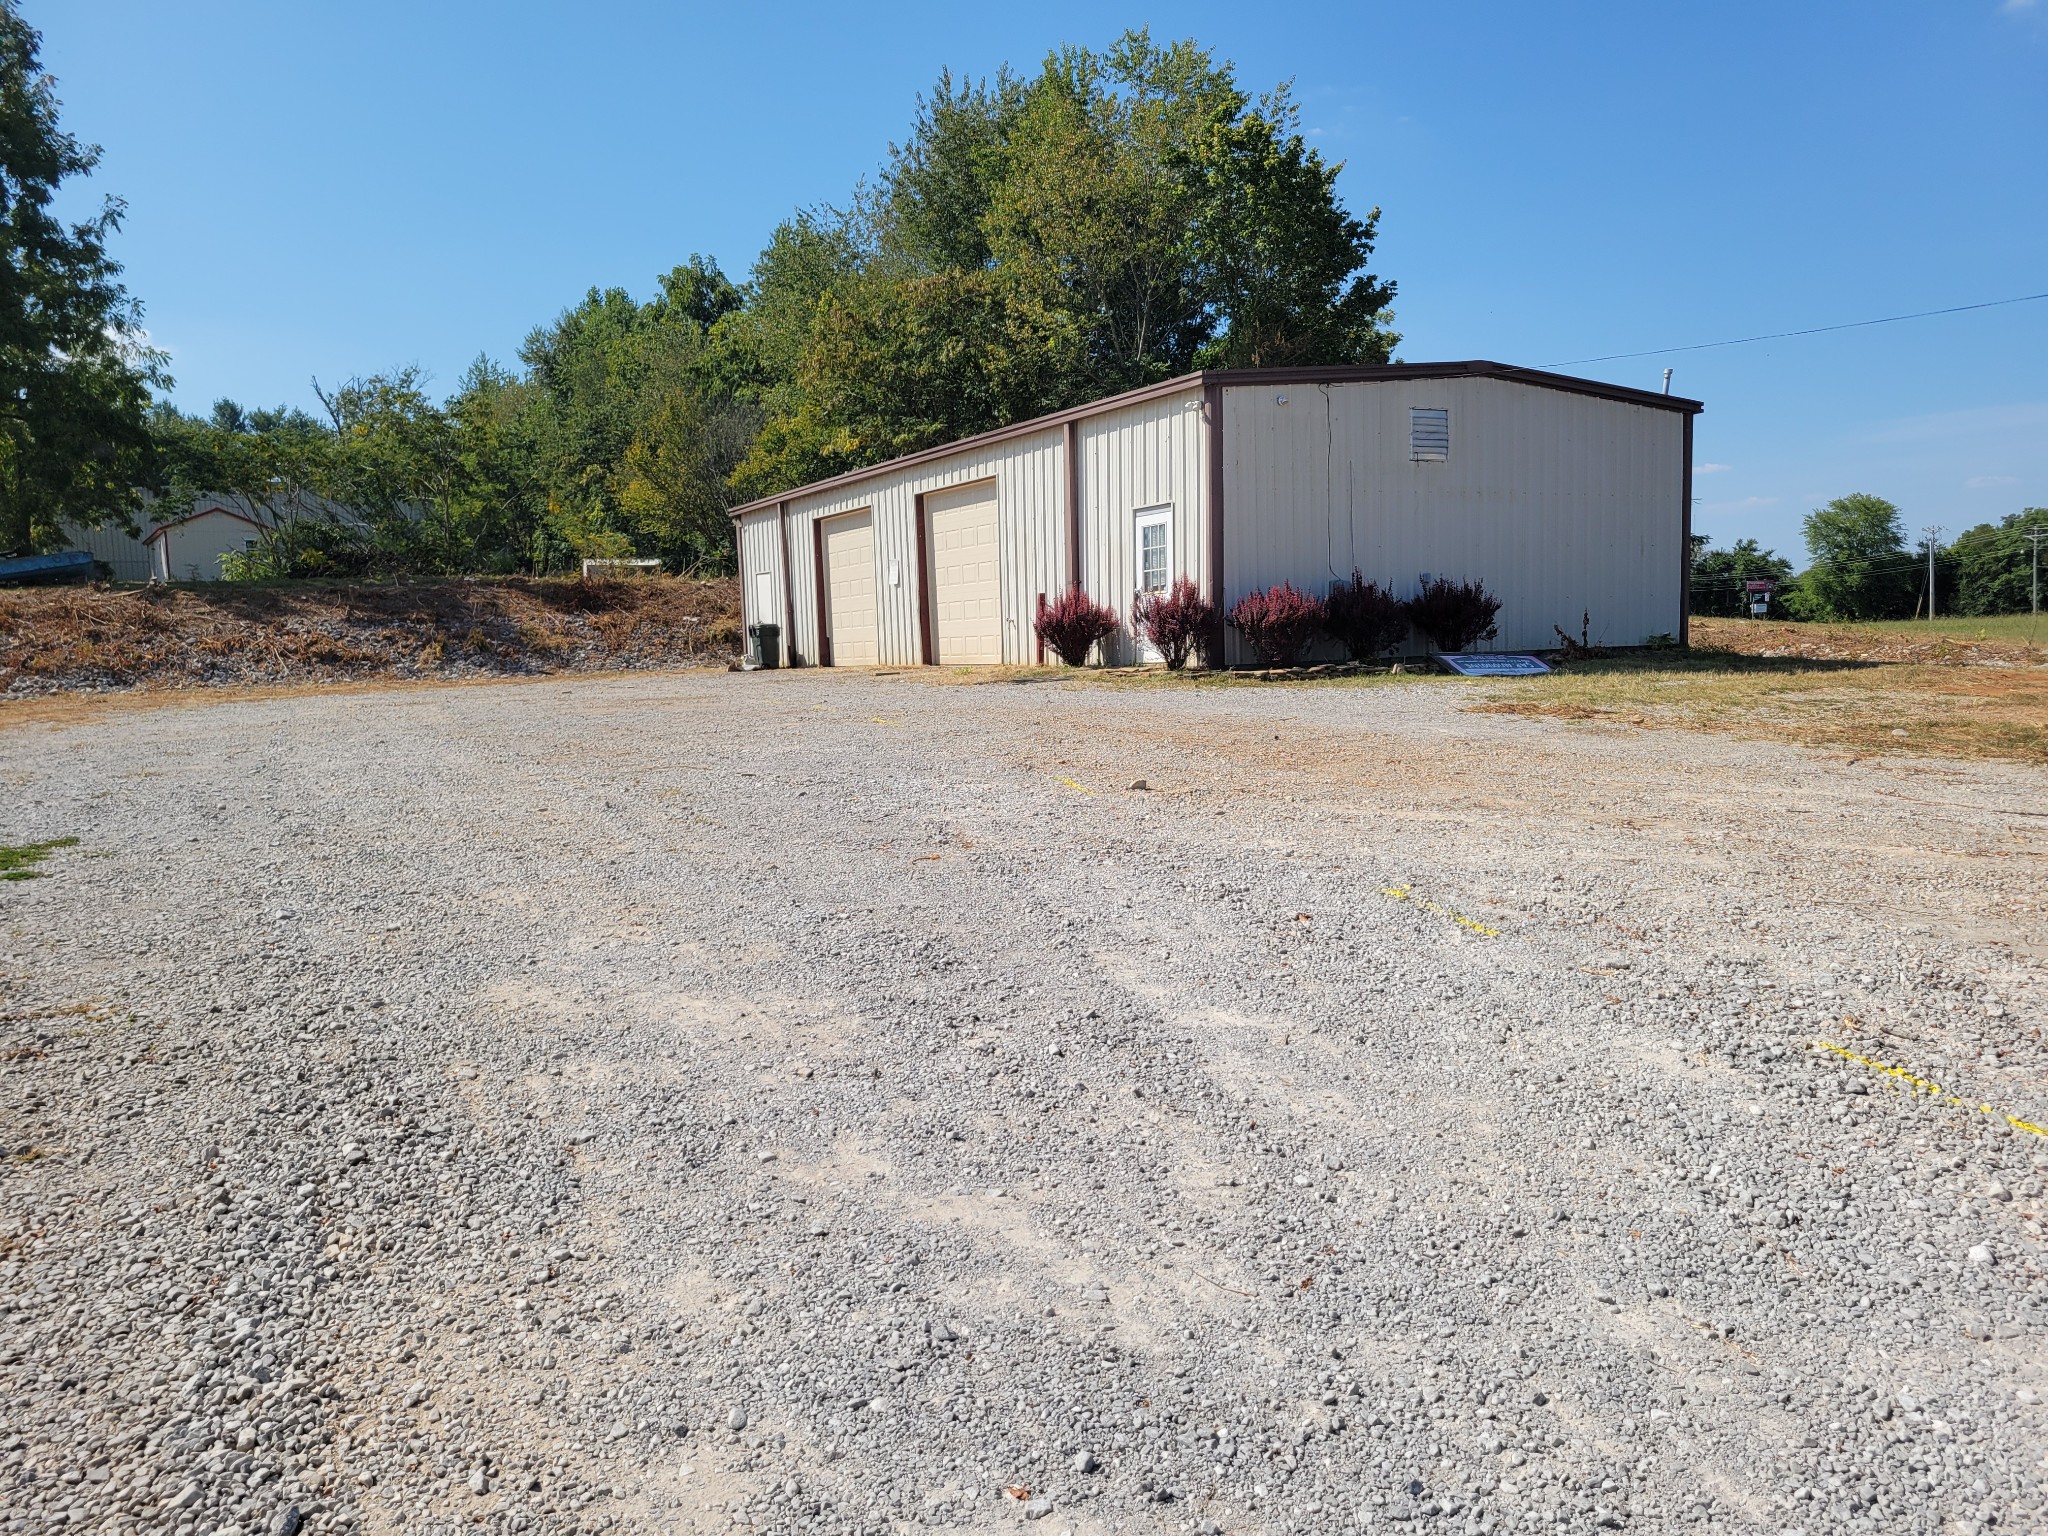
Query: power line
(1849,325)
(1890,563)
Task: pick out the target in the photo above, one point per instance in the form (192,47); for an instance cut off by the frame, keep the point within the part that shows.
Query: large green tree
(75,366)
(1861,568)
(1119,217)
(1284,265)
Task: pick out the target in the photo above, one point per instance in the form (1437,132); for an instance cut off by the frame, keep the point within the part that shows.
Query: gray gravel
(822,1103)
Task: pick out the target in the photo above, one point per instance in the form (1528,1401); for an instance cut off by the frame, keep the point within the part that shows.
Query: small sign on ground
(1494,666)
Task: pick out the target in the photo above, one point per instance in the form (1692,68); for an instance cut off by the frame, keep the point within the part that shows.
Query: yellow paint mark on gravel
(878,720)
(1402,893)
(1927,1086)
(1083,788)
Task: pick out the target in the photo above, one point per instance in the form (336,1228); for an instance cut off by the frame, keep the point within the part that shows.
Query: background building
(187,540)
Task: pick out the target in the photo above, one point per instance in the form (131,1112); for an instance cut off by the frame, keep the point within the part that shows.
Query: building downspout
(1073,455)
(1212,427)
(927,651)
(788,595)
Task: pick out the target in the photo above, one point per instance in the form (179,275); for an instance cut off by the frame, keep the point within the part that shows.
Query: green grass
(18,863)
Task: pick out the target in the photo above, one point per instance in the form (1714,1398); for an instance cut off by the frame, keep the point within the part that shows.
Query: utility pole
(1933,532)
(2034,538)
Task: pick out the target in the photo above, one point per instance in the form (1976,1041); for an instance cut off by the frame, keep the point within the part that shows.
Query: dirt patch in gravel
(72,638)
(814,1102)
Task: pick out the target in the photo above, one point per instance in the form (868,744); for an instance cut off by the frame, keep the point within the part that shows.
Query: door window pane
(1152,556)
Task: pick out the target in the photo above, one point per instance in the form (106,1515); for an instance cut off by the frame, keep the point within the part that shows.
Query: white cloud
(1746,504)
(1991,482)
(1710,469)
(2011,6)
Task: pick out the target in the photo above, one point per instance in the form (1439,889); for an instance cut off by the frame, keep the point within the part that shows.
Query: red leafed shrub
(1278,623)
(1454,614)
(1364,617)
(1176,622)
(1072,624)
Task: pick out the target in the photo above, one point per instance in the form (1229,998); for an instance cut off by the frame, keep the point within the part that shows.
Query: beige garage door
(850,589)
(967,623)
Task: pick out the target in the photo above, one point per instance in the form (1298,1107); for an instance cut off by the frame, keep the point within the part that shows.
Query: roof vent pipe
(1667,381)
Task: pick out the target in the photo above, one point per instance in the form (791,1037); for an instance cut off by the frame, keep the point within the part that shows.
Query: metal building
(1565,496)
(188,540)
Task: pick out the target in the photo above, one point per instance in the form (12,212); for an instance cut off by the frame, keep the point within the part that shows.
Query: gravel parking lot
(830,1103)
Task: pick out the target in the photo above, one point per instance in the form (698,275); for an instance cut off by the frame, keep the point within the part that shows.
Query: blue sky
(331,190)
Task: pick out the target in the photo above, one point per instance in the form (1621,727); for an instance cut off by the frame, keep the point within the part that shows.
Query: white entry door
(1152,560)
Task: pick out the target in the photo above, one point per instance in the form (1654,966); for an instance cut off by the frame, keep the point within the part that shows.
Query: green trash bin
(767,640)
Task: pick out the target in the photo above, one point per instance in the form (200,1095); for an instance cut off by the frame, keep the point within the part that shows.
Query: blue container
(69,565)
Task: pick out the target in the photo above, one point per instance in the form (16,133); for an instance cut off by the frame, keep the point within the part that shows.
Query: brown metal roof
(1359,373)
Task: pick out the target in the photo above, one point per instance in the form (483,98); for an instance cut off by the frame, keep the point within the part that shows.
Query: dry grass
(1978,698)
(68,638)
(1861,707)
(2014,639)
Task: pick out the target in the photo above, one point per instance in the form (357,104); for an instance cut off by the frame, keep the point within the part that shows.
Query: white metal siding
(1146,455)
(1031,520)
(193,550)
(761,554)
(1141,455)
(1560,503)
(123,553)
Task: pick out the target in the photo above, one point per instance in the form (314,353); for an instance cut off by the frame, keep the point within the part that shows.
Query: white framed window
(1152,547)
(1429,435)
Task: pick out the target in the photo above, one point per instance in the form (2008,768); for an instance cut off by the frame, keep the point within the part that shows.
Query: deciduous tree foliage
(1118,218)
(1861,568)
(1038,241)
(1718,575)
(75,366)
(1992,564)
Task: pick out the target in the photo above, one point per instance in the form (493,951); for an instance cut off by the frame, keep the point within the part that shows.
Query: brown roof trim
(1177,386)
(179,522)
(1362,373)
(1368,373)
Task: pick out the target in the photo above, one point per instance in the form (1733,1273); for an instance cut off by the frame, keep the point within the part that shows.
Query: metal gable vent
(1429,435)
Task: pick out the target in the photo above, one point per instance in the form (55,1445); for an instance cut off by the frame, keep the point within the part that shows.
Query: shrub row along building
(1564,496)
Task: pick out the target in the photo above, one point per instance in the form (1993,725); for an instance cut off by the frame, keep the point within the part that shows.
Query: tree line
(1861,567)
(1038,241)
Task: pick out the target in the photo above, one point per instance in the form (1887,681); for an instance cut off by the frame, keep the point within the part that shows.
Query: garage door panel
(850,590)
(966,597)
